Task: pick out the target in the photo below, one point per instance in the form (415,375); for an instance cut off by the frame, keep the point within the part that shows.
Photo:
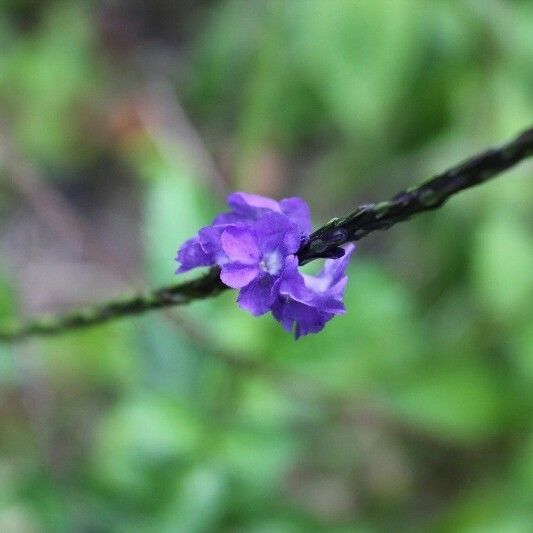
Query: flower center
(271,263)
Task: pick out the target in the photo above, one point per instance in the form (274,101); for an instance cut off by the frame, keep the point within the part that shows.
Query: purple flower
(254,244)
(256,257)
(306,303)
(246,207)
(205,249)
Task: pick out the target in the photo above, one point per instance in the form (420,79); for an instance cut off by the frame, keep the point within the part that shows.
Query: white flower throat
(271,263)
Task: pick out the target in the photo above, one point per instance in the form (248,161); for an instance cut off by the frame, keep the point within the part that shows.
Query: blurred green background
(123,124)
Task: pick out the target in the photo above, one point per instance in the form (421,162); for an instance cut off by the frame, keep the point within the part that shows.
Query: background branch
(324,242)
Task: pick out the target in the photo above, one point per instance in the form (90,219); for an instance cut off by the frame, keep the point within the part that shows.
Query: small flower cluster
(255,245)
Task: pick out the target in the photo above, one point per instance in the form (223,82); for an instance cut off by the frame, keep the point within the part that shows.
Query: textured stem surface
(179,294)
(324,242)
(429,195)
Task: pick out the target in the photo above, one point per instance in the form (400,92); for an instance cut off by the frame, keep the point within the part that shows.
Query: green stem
(324,242)
(179,294)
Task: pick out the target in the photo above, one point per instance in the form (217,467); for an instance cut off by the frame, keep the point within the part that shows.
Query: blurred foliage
(411,412)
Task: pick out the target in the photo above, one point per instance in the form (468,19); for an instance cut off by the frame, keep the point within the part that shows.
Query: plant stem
(431,194)
(325,242)
(179,294)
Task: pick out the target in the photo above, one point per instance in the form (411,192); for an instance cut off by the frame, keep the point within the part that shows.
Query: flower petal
(298,212)
(334,269)
(332,279)
(238,275)
(251,204)
(240,245)
(210,240)
(293,282)
(274,231)
(310,290)
(313,323)
(225,219)
(301,318)
(279,311)
(259,295)
(191,255)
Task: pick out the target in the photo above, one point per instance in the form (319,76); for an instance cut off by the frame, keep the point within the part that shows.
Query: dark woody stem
(325,242)
(431,194)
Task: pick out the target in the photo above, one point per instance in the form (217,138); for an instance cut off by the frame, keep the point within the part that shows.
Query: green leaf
(455,400)
(503,266)
(48,77)
(138,438)
(177,206)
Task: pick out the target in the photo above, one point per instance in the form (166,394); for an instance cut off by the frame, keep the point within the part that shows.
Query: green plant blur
(122,124)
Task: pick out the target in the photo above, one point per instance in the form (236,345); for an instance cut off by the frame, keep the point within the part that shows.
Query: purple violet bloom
(256,257)
(205,249)
(202,250)
(246,207)
(255,244)
(307,302)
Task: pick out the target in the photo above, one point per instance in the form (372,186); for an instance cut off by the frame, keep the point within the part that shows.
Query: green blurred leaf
(48,78)
(177,206)
(257,459)
(141,437)
(198,502)
(459,400)
(503,267)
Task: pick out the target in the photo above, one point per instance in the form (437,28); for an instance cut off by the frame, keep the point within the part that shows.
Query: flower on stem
(305,302)
(247,207)
(255,246)
(205,249)
(256,256)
